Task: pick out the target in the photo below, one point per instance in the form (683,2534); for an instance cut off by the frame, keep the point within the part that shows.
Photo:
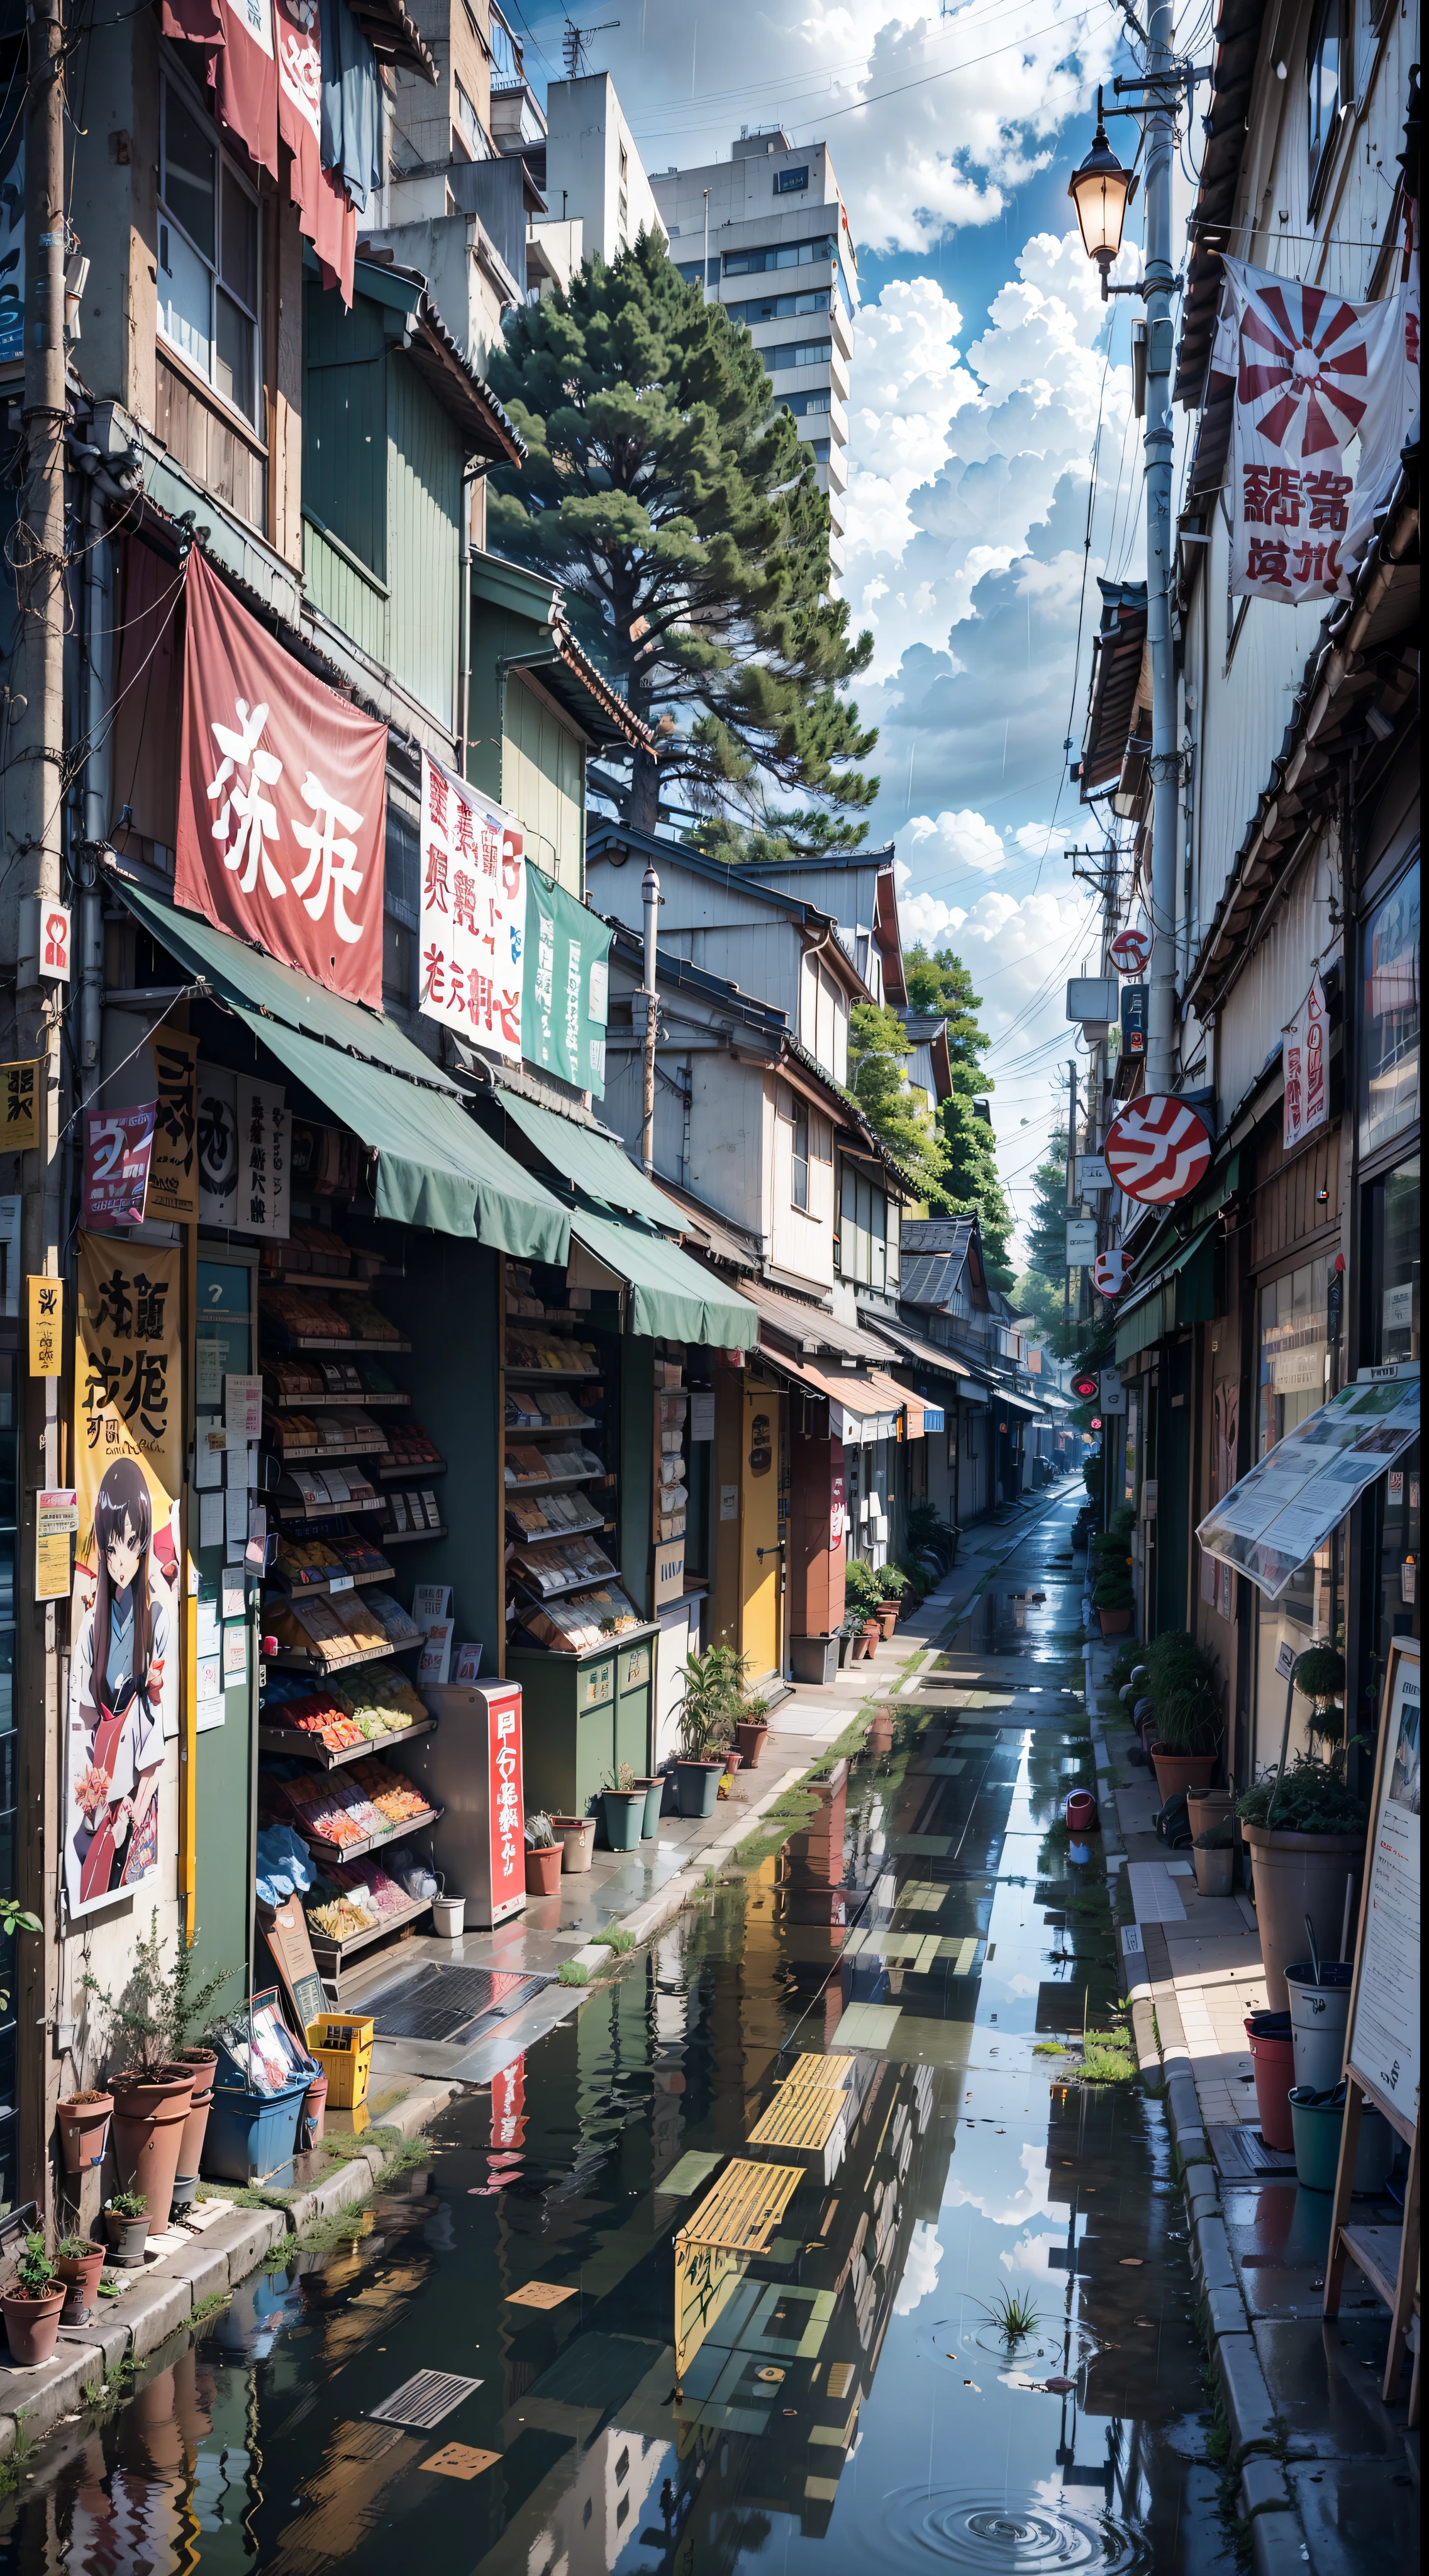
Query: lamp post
(1101,191)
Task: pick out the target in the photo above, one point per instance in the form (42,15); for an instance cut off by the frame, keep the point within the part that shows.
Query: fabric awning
(1182,1291)
(859,1411)
(240,974)
(435,1166)
(595,1163)
(669,1293)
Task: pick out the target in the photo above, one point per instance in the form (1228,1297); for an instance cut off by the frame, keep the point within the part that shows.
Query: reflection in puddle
(844,2398)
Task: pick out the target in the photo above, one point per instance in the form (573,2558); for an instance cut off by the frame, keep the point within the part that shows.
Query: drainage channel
(799,2248)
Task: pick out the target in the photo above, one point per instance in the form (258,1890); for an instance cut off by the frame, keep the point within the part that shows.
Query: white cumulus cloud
(920,2272)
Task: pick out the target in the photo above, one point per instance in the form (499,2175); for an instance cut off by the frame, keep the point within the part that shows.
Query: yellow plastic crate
(342,2045)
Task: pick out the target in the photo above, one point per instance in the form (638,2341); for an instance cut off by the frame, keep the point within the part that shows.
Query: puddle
(841,2398)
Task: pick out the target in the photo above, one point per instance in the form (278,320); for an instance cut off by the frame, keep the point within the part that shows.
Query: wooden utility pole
(34,750)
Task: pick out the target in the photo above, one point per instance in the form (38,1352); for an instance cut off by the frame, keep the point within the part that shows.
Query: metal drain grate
(441,2003)
(424,2400)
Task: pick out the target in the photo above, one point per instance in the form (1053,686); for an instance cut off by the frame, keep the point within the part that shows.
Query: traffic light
(1085,1385)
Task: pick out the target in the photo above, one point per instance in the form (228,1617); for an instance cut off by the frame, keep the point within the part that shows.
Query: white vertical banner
(472,914)
(217,1111)
(263,1158)
(1306,1065)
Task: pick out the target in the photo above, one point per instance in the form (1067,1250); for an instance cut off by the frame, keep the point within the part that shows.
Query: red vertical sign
(508,1846)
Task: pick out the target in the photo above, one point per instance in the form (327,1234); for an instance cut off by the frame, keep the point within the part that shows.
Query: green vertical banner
(566,981)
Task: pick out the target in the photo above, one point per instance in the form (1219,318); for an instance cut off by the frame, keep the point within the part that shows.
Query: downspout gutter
(98,625)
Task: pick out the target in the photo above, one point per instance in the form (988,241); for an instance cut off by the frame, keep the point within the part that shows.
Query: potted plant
(893,1584)
(1206,1808)
(84,2130)
(544,1856)
(1306,1834)
(624,1807)
(577,1835)
(653,1784)
(1186,1691)
(149,2025)
(1213,1859)
(706,1724)
(78,2263)
(126,2221)
(1319,1676)
(873,1637)
(751,1730)
(32,2306)
(857,1635)
(189,2017)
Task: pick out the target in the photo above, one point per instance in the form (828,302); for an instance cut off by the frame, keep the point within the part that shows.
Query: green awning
(596,1163)
(669,1293)
(246,977)
(1182,1291)
(435,1166)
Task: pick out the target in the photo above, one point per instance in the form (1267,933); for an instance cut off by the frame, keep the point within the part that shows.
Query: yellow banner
(19,1107)
(44,1300)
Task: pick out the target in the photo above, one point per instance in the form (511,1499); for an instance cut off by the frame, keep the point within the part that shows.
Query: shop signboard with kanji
(506,1829)
(1305,1059)
(564,1006)
(118,1144)
(282,800)
(472,913)
(125,1608)
(173,1164)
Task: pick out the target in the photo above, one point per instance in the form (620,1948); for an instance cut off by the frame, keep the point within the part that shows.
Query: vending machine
(470,1766)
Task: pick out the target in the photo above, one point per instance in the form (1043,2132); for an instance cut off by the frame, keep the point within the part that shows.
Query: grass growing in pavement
(614,1938)
(573,1972)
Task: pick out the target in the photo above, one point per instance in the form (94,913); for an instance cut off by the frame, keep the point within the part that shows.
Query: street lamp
(1101,191)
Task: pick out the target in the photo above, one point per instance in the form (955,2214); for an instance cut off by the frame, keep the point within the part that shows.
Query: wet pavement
(657,2341)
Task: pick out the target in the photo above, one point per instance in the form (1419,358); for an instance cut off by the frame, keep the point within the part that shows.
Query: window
(787,183)
(778,308)
(800,1187)
(820,449)
(752,263)
(1294,1347)
(690,271)
(862,1247)
(797,353)
(208,255)
(1390,1001)
(472,133)
(505,54)
(804,406)
(1331,84)
(1393,1536)
(828,1040)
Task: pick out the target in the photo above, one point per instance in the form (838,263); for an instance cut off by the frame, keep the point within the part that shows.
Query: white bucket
(1319,2019)
(449,1916)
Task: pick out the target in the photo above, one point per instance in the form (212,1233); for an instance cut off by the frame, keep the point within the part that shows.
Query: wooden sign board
(286,1934)
(1383,2050)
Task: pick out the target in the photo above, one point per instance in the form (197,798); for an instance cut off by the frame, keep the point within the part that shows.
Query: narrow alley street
(908,1985)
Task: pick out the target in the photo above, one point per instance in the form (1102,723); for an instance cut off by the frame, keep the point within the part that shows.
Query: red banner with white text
(282,799)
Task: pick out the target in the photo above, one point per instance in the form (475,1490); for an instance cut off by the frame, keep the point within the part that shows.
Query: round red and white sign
(1111,1272)
(1131,950)
(1158,1149)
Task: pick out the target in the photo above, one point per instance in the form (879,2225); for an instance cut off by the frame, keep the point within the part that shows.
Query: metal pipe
(1160,556)
(89,946)
(650,898)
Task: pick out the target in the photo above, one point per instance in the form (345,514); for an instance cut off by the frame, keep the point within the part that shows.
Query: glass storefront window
(1294,1351)
(1390,1098)
(1393,1539)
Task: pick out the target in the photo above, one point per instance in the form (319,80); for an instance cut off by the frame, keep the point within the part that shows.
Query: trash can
(1319,2019)
(1272,2048)
(1318,2120)
(251,2135)
(342,2045)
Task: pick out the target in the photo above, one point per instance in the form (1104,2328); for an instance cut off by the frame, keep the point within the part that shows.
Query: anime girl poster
(125,1610)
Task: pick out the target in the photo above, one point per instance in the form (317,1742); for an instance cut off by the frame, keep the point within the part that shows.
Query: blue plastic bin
(251,2136)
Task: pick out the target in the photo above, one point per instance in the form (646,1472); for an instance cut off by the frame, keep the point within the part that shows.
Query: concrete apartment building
(781,258)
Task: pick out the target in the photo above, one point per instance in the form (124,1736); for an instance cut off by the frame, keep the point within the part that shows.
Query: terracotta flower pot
(204,2064)
(1296,1875)
(543,1870)
(32,2326)
(150,2115)
(314,2118)
(858,1645)
(888,1617)
(1207,1807)
(1178,1773)
(1114,1623)
(751,1741)
(84,2132)
(873,1631)
(80,2275)
(733,1758)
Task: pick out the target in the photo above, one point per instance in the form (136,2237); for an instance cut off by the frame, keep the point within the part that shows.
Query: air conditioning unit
(1094,1000)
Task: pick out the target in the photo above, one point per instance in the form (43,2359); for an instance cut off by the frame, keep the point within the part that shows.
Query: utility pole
(650,897)
(1164,80)
(34,749)
(1073,1204)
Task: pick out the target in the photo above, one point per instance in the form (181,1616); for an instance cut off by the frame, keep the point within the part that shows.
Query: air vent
(425,2399)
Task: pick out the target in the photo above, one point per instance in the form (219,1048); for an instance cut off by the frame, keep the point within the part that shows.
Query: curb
(1267,2506)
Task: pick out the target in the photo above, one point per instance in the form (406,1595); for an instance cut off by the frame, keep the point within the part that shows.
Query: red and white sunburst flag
(1131,949)
(1313,374)
(1111,1271)
(1158,1149)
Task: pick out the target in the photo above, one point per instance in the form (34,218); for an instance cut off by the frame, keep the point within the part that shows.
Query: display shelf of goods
(344,1815)
(309,1318)
(324,1722)
(331,1952)
(322,1636)
(532,1356)
(556,1516)
(411,1453)
(339,1560)
(532,1470)
(307,1383)
(561,1565)
(411,1514)
(336,1434)
(533,1414)
(315,1493)
(316,1251)
(672,1490)
(590,1617)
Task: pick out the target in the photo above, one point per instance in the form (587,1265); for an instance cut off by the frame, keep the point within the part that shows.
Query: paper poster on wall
(263,1159)
(1384,2045)
(472,913)
(173,1167)
(1276,1516)
(118,1146)
(1305,1059)
(124,1656)
(566,988)
(217,1146)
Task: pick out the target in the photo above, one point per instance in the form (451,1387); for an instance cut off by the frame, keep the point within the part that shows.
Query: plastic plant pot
(1296,1875)
(1177,1774)
(1215,1871)
(127,2239)
(1273,2053)
(751,1740)
(314,2119)
(1319,2020)
(815,1659)
(699,1785)
(449,1915)
(624,1811)
(1081,1812)
(845,1642)
(32,2326)
(1207,1807)
(80,2275)
(1114,1623)
(577,1842)
(1319,2119)
(204,2064)
(543,1870)
(654,1789)
(84,2132)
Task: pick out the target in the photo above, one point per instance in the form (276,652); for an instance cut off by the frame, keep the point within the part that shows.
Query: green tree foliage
(1041,1290)
(878,1053)
(674,502)
(971,1186)
(943,984)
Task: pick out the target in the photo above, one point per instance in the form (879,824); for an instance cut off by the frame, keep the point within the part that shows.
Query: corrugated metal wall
(542,780)
(1275,981)
(424,526)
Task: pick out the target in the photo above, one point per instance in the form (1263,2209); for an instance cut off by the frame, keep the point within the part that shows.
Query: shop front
(1388,1541)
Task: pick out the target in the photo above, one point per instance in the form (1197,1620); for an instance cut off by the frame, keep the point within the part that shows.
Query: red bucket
(1273,2050)
(1081,1812)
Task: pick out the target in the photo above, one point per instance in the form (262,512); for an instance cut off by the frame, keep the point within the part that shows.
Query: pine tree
(674,502)
(1041,1290)
(971,1186)
(942,985)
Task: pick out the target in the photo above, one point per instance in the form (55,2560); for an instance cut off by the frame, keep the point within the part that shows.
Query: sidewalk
(1325,2473)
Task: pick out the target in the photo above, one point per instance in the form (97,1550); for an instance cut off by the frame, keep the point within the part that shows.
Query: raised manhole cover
(424,2399)
(442,2003)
